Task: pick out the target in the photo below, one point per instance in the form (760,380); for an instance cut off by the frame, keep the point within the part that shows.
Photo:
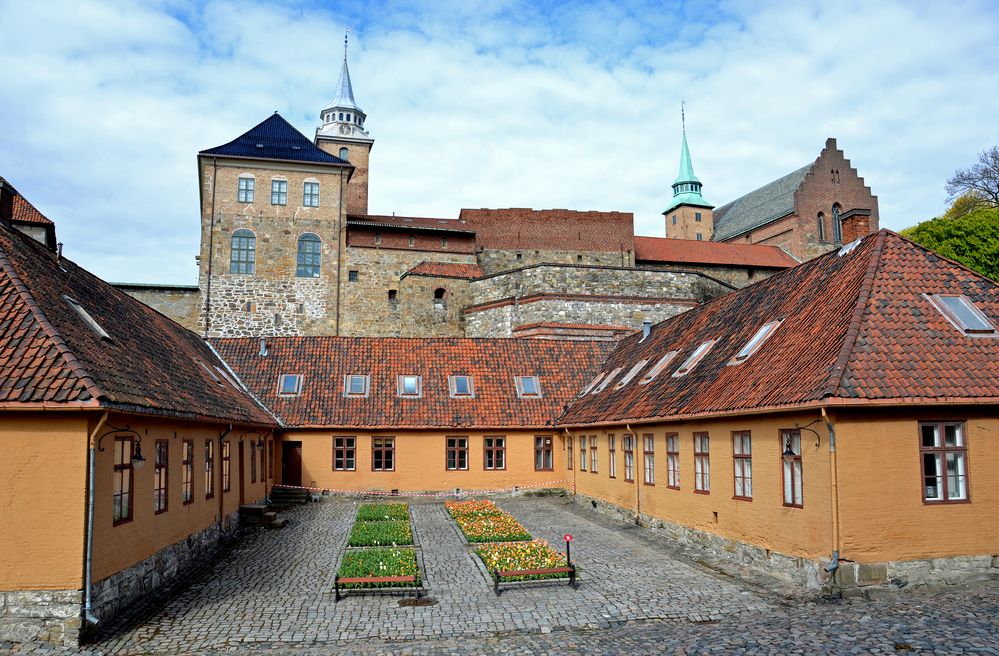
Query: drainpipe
(833,496)
(638,487)
(568,455)
(88,561)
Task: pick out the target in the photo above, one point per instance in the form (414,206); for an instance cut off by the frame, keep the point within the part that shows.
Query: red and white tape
(452,493)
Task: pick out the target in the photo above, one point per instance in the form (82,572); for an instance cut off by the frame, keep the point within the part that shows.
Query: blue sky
(484,104)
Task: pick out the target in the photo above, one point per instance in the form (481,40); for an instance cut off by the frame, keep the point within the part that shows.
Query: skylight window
(87,319)
(756,341)
(596,379)
(528,387)
(461,386)
(290,385)
(607,381)
(410,385)
(651,374)
(964,314)
(631,374)
(694,358)
(355,385)
(846,249)
(210,372)
(229,379)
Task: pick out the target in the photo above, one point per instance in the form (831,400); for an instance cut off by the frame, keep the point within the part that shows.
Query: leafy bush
(536,554)
(379,562)
(381,534)
(379,512)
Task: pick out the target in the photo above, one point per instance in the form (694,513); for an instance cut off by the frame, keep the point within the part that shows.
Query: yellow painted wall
(883,516)
(420,462)
(42,485)
(764,521)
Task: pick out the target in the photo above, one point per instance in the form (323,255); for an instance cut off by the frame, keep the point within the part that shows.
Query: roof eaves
(340,164)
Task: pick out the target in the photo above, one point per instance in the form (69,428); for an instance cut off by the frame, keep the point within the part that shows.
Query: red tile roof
(408,222)
(25,212)
(561,367)
(523,228)
(688,251)
(49,354)
(445,270)
(575,326)
(856,329)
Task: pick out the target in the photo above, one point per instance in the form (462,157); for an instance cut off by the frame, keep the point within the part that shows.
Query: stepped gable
(147,363)
(687,251)
(856,328)
(275,139)
(445,270)
(562,230)
(323,362)
(771,201)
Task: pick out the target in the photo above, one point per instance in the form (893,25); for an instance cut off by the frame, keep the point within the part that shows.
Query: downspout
(88,558)
(638,487)
(222,437)
(211,253)
(568,455)
(833,496)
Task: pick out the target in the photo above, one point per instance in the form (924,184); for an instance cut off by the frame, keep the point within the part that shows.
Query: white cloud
(484,104)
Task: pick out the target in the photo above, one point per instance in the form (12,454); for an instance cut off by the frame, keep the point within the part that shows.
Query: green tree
(971,238)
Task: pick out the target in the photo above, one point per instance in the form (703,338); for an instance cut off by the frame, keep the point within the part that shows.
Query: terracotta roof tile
(25,212)
(570,230)
(688,251)
(409,222)
(445,270)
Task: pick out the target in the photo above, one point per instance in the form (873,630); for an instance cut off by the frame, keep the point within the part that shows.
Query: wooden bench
(372,579)
(568,569)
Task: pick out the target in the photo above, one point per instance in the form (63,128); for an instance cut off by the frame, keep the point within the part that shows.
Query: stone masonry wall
(735,276)
(41,616)
(423,316)
(497,260)
(181,304)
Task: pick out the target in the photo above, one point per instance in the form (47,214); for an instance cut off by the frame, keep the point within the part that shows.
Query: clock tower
(342,134)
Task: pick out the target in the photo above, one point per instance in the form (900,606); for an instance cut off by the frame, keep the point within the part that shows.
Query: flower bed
(536,554)
(381,512)
(380,534)
(380,562)
(482,521)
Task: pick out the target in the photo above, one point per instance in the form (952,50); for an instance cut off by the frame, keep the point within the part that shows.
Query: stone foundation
(41,616)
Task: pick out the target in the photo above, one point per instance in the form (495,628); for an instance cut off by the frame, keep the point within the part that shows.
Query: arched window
(343,153)
(348,118)
(837,228)
(310,250)
(440,298)
(341,116)
(244,251)
(821,220)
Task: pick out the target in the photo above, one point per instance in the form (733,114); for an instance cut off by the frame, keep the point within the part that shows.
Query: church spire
(342,114)
(686,186)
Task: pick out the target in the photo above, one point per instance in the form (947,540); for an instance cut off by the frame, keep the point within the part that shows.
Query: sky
(500,103)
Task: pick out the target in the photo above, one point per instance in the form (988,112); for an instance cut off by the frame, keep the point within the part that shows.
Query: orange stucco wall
(420,462)
(42,485)
(764,521)
(883,516)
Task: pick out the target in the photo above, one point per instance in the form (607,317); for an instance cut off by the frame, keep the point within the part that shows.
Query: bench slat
(529,572)
(378,579)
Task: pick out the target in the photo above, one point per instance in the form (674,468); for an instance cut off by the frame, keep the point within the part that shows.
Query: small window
(944,456)
(628,442)
(87,319)
(457,453)
(412,240)
(440,298)
(310,194)
(631,374)
(382,454)
(310,253)
(694,358)
(674,219)
(821,224)
(568,452)
(649,458)
(963,313)
(528,387)
(697,217)
(593,383)
(378,238)
(353,275)
(582,453)
(461,386)
(791,455)
(341,116)
(226,467)
(279,192)
(673,461)
(343,154)
(543,453)
(209,469)
(658,367)
(520,256)
(837,225)
(699,237)
(702,463)
(756,341)
(410,385)
(124,480)
(593,454)
(290,385)
(393,296)
(349,119)
(242,258)
(494,452)
(355,385)
(742,464)
(606,381)
(244,192)
(344,453)
(161,477)
(611,456)
(443,242)
(187,478)
(846,249)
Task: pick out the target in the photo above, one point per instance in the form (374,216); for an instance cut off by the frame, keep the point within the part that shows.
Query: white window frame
(756,342)
(520,387)
(87,319)
(657,368)
(596,379)
(401,383)
(688,365)
(452,382)
(366,382)
(310,198)
(298,384)
(938,302)
(607,380)
(631,374)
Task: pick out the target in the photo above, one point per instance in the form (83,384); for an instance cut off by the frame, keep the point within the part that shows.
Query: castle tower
(342,135)
(688,215)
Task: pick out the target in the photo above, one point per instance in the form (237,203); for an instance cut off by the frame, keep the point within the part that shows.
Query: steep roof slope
(51,354)
(275,139)
(493,364)
(771,201)
(687,251)
(445,270)
(25,212)
(855,326)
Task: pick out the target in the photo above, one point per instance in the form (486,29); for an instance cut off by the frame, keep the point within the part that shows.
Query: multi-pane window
(355,385)
(187,471)
(253,463)
(528,387)
(344,453)
(628,443)
(242,258)
(837,226)
(494,452)
(410,385)
(612,456)
(568,452)
(161,475)
(791,455)
(543,453)
(702,463)
(270,459)
(279,192)
(461,386)
(209,469)
(742,464)
(457,453)
(649,458)
(123,482)
(226,468)
(582,453)
(593,454)
(673,461)
(310,255)
(353,275)
(310,194)
(382,454)
(263,461)
(244,193)
(944,454)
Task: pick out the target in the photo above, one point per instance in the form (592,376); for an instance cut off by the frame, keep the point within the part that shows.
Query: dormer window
(964,314)
(631,374)
(87,319)
(410,386)
(756,341)
(694,358)
(528,387)
(461,387)
(606,381)
(290,385)
(658,367)
(355,385)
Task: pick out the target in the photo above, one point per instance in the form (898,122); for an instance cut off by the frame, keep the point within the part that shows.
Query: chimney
(646,327)
(7,194)
(855,223)
(263,347)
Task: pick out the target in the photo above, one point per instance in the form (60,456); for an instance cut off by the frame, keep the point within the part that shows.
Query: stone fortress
(288,247)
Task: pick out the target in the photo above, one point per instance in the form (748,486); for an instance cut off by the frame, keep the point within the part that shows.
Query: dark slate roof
(857,329)
(769,202)
(276,139)
(50,356)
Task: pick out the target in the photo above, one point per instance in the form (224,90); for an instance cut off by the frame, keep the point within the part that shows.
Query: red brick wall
(422,241)
(565,230)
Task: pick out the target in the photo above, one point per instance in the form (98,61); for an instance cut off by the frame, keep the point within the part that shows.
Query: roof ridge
(938,255)
(850,339)
(36,311)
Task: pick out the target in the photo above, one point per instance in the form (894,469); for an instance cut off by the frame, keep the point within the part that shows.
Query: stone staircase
(284,497)
(260,515)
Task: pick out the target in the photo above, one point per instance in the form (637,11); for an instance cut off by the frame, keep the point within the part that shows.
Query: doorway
(291,463)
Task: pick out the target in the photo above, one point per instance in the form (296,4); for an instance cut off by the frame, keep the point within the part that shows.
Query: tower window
(243,255)
(343,153)
(440,298)
(245,192)
(310,194)
(393,296)
(412,240)
(378,237)
(699,237)
(309,256)
(353,275)
(279,192)
(821,221)
(837,226)
(341,116)
(674,219)
(443,242)
(348,117)
(697,216)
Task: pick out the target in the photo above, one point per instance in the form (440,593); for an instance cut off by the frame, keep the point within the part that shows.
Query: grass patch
(536,554)
(379,562)
(482,521)
(380,534)
(382,512)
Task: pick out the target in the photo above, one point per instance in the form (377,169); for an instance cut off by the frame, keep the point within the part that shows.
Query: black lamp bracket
(113,430)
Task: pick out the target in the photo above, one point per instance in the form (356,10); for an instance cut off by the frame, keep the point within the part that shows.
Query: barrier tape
(452,493)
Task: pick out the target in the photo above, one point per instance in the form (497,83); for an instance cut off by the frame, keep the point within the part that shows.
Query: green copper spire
(686,173)
(686,187)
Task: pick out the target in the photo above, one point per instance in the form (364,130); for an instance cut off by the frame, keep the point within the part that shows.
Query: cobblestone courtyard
(272,593)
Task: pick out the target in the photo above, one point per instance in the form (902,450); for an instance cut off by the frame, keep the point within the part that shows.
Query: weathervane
(683,118)
(346,33)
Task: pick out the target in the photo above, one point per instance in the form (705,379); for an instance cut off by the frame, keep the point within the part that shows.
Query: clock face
(344,129)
